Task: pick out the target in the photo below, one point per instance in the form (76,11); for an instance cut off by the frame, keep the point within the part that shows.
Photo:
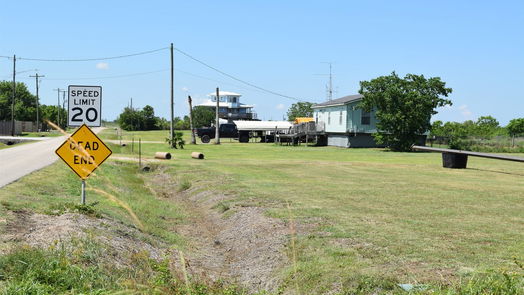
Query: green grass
(373,212)
(373,218)
(52,190)
(5,146)
(84,270)
(44,134)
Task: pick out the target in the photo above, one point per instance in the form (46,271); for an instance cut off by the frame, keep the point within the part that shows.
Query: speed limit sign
(85,105)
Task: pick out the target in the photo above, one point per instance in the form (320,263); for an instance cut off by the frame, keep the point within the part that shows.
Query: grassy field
(372,217)
(374,212)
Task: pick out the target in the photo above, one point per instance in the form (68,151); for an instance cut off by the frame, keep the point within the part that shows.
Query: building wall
(340,140)
(334,118)
(351,119)
(355,120)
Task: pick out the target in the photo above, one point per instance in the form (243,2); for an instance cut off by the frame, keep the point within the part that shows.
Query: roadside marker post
(84,151)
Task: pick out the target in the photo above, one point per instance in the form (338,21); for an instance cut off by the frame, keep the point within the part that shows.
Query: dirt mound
(119,240)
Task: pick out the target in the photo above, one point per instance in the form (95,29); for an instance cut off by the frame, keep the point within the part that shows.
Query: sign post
(84,151)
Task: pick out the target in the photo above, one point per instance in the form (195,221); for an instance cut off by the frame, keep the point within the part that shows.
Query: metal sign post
(83,192)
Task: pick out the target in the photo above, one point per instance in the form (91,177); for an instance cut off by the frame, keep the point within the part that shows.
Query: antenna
(329,87)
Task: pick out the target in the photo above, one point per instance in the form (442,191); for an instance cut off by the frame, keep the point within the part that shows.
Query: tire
(243,138)
(205,138)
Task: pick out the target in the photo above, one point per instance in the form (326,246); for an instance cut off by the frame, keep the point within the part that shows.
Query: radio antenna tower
(329,87)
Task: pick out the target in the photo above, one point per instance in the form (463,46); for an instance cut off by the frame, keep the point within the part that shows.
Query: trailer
(246,130)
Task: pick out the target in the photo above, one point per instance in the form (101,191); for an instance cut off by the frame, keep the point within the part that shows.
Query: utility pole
(36,76)
(217,124)
(63,105)
(58,107)
(14,95)
(193,139)
(172,96)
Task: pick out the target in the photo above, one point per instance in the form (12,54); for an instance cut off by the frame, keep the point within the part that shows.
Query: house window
(329,118)
(340,118)
(316,118)
(366,118)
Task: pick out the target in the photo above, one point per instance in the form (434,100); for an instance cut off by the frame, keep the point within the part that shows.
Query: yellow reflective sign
(83,152)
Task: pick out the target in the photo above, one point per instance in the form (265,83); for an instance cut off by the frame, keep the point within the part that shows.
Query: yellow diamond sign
(83,152)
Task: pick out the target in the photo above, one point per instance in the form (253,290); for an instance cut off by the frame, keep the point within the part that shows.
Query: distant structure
(345,124)
(230,107)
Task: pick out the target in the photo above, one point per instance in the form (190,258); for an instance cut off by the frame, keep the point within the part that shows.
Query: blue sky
(476,47)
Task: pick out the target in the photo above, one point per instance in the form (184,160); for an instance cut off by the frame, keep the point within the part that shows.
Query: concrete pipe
(162,155)
(197,155)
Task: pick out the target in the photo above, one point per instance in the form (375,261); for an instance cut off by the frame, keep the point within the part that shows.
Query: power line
(235,78)
(109,77)
(93,59)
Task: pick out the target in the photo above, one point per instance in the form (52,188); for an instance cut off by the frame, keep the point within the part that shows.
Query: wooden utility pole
(172,97)
(58,107)
(193,139)
(14,95)
(36,76)
(217,123)
(63,105)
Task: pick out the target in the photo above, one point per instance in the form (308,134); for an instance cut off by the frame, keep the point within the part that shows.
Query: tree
(300,109)
(149,121)
(25,102)
(516,127)
(203,116)
(486,126)
(50,113)
(404,106)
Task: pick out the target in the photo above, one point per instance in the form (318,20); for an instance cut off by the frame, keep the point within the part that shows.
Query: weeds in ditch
(184,185)
(69,207)
(80,268)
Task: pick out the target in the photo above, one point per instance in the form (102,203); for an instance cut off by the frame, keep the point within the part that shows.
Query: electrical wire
(108,77)
(235,78)
(93,59)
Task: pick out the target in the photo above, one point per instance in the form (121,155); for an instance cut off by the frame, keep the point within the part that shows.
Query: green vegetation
(368,219)
(374,213)
(484,135)
(85,270)
(25,105)
(404,107)
(300,109)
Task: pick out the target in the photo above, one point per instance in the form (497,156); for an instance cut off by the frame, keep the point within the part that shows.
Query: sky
(476,47)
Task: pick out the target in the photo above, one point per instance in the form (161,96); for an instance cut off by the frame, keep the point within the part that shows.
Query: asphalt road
(18,161)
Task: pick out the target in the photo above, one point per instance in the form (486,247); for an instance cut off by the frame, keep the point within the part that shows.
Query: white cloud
(280,106)
(102,66)
(185,89)
(464,110)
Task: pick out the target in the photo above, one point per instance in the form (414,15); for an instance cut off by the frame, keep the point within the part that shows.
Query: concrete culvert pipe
(197,155)
(162,155)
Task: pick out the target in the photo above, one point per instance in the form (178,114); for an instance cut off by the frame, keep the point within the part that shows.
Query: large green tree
(404,106)
(135,119)
(300,109)
(203,116)
(25,102)
(486,127)
(516,127)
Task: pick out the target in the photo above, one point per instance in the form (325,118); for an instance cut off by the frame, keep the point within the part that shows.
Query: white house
(230,107)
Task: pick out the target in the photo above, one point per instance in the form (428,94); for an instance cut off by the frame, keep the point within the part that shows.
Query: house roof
(209,103)
(224,93)
(340,101)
